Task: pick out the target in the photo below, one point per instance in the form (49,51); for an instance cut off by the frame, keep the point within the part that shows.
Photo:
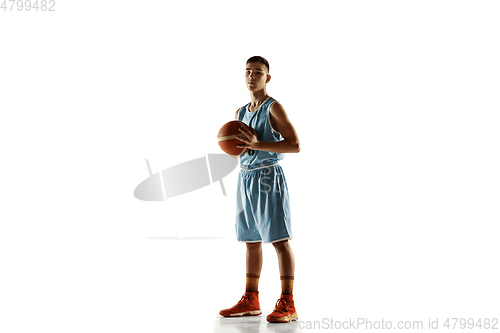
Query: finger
(246,134)
(246,128)
(243,130)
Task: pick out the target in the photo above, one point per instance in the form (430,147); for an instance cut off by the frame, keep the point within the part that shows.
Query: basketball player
(262,194)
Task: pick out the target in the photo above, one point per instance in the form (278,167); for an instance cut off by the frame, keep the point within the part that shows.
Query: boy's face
(256,76)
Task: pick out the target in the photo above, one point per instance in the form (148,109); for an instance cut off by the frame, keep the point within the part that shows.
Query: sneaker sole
(246,313)
(286,319)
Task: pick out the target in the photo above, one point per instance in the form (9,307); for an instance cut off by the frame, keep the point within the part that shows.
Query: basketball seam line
(229,137)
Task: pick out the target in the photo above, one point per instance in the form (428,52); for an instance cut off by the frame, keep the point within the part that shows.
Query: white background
(395,193)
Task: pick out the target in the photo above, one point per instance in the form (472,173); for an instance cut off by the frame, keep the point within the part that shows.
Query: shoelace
(243,298)
(282,306)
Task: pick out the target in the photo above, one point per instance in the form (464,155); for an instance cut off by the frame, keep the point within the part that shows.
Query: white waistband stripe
(266,166)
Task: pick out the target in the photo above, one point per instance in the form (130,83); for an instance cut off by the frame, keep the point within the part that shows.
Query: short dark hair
(259,59)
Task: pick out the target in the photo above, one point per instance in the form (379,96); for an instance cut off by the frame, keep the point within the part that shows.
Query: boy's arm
(236,114)
(290,142)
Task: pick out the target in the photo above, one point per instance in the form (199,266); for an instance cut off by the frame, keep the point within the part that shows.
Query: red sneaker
(248,305)
(284,311)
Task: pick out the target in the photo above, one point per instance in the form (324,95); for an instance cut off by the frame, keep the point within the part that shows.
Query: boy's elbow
(293,146)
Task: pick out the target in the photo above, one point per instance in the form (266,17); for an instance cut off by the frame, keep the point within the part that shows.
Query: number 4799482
(28,5)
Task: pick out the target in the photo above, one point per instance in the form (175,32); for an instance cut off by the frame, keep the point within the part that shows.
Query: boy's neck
(257,98)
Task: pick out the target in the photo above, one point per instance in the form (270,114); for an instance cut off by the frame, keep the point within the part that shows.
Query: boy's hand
(251,141)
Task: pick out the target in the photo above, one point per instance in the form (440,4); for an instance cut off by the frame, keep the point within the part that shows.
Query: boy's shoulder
(276,106)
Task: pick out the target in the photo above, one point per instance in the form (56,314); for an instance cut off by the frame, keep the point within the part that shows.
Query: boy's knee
(254,246)
(281,245)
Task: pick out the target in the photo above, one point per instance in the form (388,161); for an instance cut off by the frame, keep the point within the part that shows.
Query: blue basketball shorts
(262,204)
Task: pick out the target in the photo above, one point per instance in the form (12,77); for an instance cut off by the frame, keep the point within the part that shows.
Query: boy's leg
(284,310)
(286,262)
(249,304)
(253,265)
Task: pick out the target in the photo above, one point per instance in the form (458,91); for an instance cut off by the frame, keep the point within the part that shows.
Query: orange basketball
(227,138)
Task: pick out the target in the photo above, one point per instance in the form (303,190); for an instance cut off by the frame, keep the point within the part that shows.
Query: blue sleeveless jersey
(261,122)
